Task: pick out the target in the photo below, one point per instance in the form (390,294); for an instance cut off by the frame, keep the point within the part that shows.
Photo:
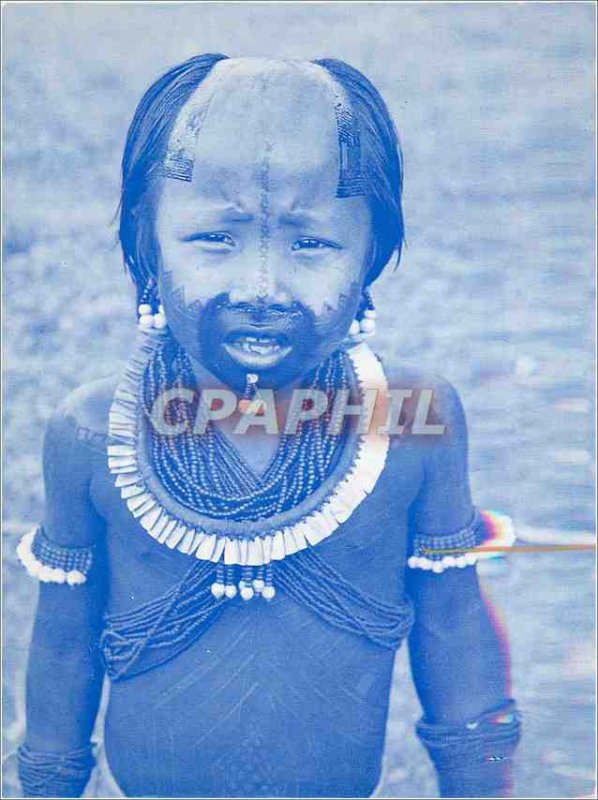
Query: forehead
(256,122)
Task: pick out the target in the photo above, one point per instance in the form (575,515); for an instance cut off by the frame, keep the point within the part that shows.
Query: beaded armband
(53,563)
(488,534)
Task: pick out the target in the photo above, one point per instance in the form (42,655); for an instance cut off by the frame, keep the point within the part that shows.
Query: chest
(369,548)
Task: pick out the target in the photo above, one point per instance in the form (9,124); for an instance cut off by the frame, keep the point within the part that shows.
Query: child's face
(262,266)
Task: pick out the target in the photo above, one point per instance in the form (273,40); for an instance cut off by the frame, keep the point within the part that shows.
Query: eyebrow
(298,219)
(223,213)
(234,213)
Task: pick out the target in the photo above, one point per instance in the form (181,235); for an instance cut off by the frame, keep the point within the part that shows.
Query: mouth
(257,350)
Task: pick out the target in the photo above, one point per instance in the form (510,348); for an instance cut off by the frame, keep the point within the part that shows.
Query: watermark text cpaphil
(379,412)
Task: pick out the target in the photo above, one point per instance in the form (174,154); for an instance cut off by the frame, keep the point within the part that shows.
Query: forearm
(458,656)
(460,668)
(64,683)
(65,672)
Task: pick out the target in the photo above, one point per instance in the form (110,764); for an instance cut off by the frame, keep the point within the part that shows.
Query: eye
(218,239)
(311,243)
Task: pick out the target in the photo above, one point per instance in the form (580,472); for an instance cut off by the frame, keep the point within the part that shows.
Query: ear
(377,267)
(147,249)
(371,263)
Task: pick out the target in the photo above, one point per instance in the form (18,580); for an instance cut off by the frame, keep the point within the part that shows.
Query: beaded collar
(205,472)
(255,543)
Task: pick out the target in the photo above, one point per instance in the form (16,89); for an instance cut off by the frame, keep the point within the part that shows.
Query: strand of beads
(367,323)
(246,589)
(230,587)
(259,583)
(364,325)
(268,591)
(251,402)
(150,311)
(254,582)
(206,473)
(218,588)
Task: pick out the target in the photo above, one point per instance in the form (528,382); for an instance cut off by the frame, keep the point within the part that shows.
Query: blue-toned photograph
(299,400)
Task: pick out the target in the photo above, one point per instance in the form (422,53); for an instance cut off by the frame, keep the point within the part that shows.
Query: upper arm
(443,504)
(445,527)
(70,519)
(442,513)
(66,553)
(72,534)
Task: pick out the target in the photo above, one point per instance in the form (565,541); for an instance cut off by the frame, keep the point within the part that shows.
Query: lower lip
(253,359)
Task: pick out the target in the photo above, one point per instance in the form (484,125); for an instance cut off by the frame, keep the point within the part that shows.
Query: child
(250,637)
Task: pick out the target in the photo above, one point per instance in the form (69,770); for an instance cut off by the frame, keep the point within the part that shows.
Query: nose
(261,288)
(242,296)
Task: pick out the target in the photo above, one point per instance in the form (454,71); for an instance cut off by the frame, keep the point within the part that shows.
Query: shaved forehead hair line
(383,162)
(179,161)
(156,116)
(143,155)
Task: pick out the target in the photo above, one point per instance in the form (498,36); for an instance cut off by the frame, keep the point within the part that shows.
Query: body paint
(179,161)
(279,145)
(183,317)
(350,182)
(264,277)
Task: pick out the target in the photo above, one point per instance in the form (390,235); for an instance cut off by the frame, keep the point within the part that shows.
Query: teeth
(261,349)
(257,339)
(257,345)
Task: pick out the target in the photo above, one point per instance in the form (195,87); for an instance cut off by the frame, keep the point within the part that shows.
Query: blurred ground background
(495,107)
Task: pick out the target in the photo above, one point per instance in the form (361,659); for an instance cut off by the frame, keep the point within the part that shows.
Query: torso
(270,700)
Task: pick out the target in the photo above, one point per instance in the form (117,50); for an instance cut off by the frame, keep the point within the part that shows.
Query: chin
(275,370)
(277,360)
(274,375)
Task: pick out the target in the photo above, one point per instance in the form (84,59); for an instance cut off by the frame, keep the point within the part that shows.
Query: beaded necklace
(205,472)
(197,494)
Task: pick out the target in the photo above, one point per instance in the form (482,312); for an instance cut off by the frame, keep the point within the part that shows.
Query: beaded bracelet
(53,563)
(471,758)
(54,774)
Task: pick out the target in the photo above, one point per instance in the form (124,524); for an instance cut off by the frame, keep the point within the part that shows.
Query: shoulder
(88,406)
(443,499)
(85,410)
(79,423)
(74,447)
(431,393)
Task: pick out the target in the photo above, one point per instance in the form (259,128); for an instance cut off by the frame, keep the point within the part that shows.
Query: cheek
(181,270)
(330,291)
(183,309)
(336,312)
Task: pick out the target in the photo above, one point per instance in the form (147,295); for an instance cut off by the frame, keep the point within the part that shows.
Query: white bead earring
(364,324)
(150,310)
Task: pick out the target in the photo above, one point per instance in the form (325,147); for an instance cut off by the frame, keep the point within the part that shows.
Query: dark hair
(145,148)
(384,167)
(147,141)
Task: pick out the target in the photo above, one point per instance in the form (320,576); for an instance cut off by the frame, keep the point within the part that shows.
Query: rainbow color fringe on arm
(488,535)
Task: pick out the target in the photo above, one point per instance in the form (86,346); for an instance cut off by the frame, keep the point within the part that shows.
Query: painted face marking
(180,156)
(185,317)
(179,161)
(350,182)
(279,145)
(263,280)
(330,320)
